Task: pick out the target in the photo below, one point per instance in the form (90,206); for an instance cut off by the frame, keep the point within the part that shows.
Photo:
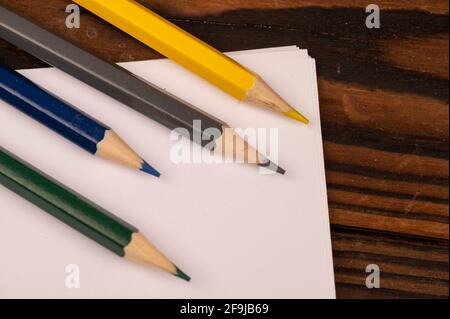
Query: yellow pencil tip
(293,114)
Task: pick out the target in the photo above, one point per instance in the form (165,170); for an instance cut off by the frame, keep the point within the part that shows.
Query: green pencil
(81,214)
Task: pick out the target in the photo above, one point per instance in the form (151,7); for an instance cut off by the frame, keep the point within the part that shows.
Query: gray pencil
(127,88)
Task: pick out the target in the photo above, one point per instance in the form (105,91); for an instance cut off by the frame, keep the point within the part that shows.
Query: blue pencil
(67,120)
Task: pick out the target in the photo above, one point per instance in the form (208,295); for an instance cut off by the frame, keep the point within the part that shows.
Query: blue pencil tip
(150,170)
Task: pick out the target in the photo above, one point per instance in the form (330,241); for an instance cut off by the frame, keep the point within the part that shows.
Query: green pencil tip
(181,274)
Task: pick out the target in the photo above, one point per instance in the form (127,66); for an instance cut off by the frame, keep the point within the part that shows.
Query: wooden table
(384,105)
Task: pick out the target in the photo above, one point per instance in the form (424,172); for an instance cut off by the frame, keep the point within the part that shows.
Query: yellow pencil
(185,49)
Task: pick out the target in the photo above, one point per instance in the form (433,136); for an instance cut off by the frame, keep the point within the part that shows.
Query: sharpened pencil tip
(273,167)
(181,274)
(281,170)
(150,170)
(293,114)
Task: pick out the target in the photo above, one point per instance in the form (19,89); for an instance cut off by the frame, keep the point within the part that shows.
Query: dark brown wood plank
(373,220)
(200,8)
(410,268)
(400,283)
(406,116)
(428,55)
(384,184)
(401,164)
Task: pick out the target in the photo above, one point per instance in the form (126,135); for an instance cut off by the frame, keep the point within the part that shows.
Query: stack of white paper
(236,232)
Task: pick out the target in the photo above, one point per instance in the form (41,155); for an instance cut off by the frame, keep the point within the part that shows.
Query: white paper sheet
(238,233)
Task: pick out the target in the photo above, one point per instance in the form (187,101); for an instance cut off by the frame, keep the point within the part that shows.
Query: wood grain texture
(410,267)
(384,106)
(198,7)
(428,55)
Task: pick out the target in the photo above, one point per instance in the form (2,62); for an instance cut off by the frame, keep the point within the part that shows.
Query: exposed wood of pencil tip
(263,95)
(142,251)
(114,148)
(232,146)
